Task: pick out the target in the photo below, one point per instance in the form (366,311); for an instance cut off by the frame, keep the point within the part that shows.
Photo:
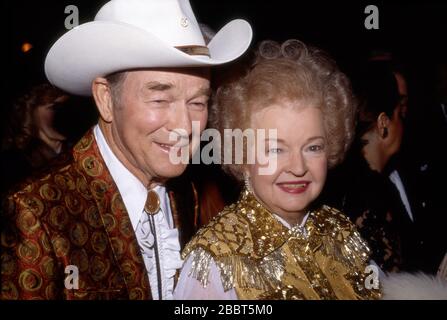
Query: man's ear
(383,122)
(103,98)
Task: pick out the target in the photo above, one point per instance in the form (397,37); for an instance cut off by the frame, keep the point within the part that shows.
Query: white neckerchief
(288,226)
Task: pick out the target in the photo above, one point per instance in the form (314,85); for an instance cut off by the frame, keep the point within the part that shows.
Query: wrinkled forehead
(293,119)
(184,79)
(259,102)
(279,109)
(171,73)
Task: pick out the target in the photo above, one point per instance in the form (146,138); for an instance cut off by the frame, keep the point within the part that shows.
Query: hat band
(195,50)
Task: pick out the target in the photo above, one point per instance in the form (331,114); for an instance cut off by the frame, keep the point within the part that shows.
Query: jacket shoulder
(331,218)
(60,186)
(227,234)
(340,236)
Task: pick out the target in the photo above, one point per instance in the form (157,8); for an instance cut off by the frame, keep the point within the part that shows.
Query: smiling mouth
(294,187)
(169,147)
(164,147)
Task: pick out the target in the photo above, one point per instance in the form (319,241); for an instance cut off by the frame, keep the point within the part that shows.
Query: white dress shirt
(134,195)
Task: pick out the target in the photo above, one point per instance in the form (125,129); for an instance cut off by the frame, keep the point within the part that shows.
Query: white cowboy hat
(134,34)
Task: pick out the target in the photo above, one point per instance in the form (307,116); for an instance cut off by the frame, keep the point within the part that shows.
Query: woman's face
(44,116)
(298,156)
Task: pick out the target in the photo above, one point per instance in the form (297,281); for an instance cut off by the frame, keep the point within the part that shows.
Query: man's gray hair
(115,81)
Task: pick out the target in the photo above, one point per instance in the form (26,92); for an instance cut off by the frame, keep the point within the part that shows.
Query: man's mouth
(170,147)
(165,147)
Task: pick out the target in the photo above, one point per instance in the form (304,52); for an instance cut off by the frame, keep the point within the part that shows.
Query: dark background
(414,31)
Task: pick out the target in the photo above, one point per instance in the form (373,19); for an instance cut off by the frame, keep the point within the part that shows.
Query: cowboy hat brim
(99,48)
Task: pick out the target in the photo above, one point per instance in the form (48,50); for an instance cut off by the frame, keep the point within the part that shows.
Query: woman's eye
(316,148)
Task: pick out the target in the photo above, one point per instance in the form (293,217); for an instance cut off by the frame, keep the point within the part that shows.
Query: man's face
(153,104)
(403,93)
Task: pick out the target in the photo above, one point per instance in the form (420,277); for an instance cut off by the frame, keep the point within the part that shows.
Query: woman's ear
(383,122)
(103,98)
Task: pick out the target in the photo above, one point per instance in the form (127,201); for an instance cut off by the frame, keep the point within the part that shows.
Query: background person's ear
(383,122)
(103,98)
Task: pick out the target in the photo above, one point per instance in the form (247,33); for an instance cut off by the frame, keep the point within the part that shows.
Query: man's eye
(159,103)
(275,150)
(199,105)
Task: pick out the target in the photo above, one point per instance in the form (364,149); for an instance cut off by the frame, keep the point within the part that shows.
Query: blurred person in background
(360,186)
(380,186)
(30,138)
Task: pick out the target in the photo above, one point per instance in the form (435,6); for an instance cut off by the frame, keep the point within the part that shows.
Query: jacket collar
(112,213)
(267,232)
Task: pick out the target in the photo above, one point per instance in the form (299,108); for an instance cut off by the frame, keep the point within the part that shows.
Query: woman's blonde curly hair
(289,72)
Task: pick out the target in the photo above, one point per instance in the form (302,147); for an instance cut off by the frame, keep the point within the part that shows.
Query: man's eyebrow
(158,86)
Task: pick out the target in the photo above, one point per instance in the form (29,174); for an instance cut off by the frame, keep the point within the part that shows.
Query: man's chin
(171,171)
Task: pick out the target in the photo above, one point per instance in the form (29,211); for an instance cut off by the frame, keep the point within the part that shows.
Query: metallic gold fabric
(262,259)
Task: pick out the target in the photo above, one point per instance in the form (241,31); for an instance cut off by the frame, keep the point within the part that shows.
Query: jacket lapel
(115,219)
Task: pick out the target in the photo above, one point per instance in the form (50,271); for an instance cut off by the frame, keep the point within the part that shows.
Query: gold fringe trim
(237,270)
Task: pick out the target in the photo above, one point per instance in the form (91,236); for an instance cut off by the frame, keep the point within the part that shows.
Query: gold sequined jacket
(262,259)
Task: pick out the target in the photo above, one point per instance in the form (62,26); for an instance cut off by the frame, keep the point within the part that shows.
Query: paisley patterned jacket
(75,216)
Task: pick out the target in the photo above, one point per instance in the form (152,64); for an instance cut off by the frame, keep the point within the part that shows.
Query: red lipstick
(294,187)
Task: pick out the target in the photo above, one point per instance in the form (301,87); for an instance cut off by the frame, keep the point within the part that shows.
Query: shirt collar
(287,225)
(132,191)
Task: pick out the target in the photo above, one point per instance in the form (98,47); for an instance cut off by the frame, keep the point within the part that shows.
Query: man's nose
(180,120)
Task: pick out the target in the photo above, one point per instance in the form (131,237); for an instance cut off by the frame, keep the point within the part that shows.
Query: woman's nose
(297,164)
